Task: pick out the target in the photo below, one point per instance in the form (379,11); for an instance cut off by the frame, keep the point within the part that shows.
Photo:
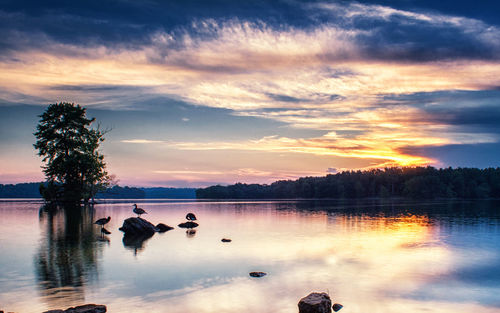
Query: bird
(190,217)
(138,211)
(103,221)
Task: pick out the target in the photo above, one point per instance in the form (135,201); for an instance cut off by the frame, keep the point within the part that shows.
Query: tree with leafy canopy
(74,167)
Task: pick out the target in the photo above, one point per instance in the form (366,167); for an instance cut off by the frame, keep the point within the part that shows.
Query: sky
(196,93)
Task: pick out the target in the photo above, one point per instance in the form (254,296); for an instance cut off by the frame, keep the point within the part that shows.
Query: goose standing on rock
(103,221)
(138,211)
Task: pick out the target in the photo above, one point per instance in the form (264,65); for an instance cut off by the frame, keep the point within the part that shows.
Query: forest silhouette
(408,182)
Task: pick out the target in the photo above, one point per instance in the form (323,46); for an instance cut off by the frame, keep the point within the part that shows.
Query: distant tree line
(23,190)
(410,182)
(32,190)
(118,192)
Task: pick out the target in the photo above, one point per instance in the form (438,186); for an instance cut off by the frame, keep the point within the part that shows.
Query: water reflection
(136,242)
(67,257)
(190,233)
(387,257)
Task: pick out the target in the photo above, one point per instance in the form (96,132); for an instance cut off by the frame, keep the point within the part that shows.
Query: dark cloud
(445,98)
(486,10)
(421,43)
(93,88)
(130,24)
(312,98)
(484,117)
(473,111)
(286,98)
(332,170)
(467,155)
(122,23)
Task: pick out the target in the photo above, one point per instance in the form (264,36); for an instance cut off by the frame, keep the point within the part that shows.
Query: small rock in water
(188,225)
(105,231)
(315,302)
(87,308)
(257,274)
(337,306)
(226,240)
(163,228)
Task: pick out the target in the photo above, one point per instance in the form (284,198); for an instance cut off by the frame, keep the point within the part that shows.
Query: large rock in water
(87,308)
(315,303)
(134,226)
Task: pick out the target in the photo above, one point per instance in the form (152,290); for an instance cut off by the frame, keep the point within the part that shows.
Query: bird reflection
(67,256)
(190,233)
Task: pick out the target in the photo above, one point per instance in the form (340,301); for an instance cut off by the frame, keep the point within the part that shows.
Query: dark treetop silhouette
(74,168)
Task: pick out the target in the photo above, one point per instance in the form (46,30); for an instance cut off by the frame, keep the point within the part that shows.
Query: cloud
(331,170)
(368,77)
(404,35)
(367,147)
(142,141)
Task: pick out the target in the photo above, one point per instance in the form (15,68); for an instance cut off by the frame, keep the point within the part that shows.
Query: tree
(74,167)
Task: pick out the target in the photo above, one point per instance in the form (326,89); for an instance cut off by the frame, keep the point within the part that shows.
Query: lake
(370,256)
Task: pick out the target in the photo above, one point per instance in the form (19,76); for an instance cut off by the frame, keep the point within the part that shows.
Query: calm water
(370,257)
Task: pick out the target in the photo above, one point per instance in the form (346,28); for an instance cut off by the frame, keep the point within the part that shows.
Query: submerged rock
(163,228)
(257,274)
(137,226)
(315,302)
(188,225)
(87,308)
(337,306)
(226,240)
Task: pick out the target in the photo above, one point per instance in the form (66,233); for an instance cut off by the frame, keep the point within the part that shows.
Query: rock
(226,240)
(87,308)
(337,306)
(137,226)
(105,231)
(257,274)
(163,228)
(315,302)
(188,225)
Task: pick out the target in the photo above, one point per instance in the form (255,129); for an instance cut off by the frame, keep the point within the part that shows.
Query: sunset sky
(196,93)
